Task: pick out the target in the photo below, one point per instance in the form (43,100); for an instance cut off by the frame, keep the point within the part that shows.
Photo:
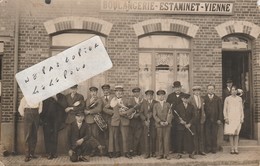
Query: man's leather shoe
(192,156)
(117,154)
(146,156)
(27,159)
(178,156)
(33,156)
(84,159)
(50,157)
(213,151)
(202,153)
(159,157)
(54,156)
(127,155)
(167,157)
(110,155)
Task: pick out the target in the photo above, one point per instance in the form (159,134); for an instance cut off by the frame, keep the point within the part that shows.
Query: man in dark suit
(198,103)
(214,117)
(80,140)
(135,127)
(227,89)
(174,99)
(162,115)
(119,121)
(185,126)
(149,134)
(75,103)
(52,119)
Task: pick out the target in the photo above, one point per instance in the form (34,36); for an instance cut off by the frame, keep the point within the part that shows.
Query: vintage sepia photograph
(130,82)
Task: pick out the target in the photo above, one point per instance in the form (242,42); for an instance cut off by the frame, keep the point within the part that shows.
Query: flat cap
(185,95)
(93,88)
(119,88)
(151,92)
(196,88)
(105,86)
(80,113)
(136,89)
(161,92)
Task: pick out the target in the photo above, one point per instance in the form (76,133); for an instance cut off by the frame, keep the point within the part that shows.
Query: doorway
(236,66)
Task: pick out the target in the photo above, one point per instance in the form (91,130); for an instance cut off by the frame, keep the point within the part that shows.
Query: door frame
(252,92)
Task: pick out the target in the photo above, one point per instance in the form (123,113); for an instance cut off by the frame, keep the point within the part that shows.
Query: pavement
(246,157)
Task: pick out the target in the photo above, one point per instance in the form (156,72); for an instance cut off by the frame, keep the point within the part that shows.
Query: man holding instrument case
(185,116)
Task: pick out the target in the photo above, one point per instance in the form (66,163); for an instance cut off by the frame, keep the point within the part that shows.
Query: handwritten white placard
(63,70)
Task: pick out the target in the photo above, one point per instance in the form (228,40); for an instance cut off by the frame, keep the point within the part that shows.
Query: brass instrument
(124,108)
(182,120)
(99,120)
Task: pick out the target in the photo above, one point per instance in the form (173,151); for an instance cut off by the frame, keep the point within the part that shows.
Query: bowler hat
(74,86)
(105,86)
(151,92)
(93,88)
(176,84)
(136,89)
(161,92)
(185,95)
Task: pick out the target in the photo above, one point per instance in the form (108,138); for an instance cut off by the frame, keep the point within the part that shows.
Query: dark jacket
(187,114)
(213,109)
(174,100)
(74,134)
(71,114)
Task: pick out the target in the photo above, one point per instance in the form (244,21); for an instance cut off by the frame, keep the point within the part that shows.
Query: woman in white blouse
(234,117)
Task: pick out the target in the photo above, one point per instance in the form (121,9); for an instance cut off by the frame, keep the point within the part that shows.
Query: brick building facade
(195,48)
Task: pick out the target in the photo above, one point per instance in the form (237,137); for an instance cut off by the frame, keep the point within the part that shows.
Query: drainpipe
(15,94)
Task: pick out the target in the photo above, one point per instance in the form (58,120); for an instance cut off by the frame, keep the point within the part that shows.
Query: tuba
(99,120)
(124,108)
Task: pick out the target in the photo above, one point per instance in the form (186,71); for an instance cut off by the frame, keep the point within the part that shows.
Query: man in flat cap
(135,127)
(149,134)
(75,103)
(93,106)
(186,115)
(174,99)
(227,89)
(107,112)
(162,115)
(80,140)
(119,122)
(198,103)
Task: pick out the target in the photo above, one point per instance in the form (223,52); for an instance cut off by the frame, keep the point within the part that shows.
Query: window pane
(183,63)
(164,74)
(71,39)
(145,71)
(164,41)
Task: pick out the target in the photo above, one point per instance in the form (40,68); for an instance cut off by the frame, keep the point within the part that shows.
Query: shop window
(63,41)
(164,59)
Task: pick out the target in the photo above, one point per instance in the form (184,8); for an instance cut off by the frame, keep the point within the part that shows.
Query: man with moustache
(174,99)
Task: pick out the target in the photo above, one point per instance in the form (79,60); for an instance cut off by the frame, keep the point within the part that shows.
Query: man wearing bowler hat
(174,99)
(198,103)
(93,106)
(75,103)
(135,127)
(162,115)
(146,115)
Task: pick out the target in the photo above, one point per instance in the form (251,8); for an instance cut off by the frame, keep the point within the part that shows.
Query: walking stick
(182,120)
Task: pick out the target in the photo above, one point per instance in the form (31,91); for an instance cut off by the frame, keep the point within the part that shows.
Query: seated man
(79,139)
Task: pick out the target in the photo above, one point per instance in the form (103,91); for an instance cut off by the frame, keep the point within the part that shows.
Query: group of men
(118,125)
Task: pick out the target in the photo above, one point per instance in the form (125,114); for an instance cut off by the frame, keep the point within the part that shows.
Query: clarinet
(182,120)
